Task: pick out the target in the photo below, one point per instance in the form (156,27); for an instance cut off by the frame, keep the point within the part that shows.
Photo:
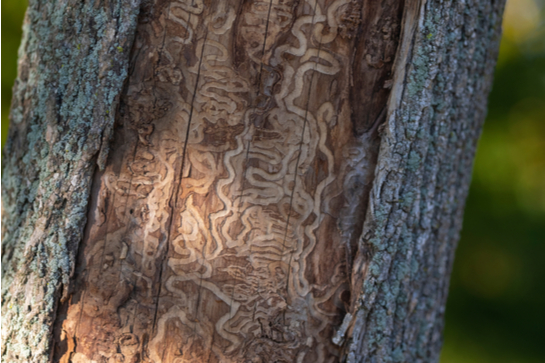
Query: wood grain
(224,226)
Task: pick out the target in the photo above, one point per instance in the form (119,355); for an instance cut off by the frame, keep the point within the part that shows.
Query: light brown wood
(225,224)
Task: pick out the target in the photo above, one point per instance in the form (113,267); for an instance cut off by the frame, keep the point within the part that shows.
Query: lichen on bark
(71,71)
(436,110)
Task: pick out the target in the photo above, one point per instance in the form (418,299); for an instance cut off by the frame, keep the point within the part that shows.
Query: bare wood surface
(225,223)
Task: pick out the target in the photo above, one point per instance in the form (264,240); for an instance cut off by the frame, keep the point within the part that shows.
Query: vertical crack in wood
(175,195)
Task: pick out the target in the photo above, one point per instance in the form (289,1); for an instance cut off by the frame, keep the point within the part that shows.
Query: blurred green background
(496,307)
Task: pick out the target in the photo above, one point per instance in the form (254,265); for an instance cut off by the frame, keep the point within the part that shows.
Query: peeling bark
(285,182)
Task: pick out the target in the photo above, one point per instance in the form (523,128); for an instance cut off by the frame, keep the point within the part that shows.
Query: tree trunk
(277,181)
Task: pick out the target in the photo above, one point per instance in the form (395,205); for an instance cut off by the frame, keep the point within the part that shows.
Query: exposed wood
(226,220)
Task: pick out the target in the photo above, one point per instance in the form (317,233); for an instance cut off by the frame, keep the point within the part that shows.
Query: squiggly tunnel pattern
(223,226)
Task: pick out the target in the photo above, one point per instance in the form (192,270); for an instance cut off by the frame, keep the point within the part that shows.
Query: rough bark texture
(436,109)
(225,225)
(72,66)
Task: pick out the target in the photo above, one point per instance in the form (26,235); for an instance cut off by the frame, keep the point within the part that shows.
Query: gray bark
(73,63)
(435,114)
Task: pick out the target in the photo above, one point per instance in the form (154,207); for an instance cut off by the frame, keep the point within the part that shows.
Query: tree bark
(277,181)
